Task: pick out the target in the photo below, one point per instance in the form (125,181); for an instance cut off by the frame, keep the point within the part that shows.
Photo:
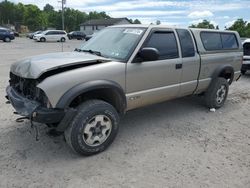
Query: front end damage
(31,103)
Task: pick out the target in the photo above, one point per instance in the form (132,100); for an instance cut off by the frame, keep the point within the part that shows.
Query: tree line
(241,26)
(37,19)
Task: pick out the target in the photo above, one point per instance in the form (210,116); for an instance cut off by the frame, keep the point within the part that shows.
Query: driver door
(51,35)
(149,82)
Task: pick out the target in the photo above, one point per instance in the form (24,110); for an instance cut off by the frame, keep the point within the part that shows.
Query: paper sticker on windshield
(133,31)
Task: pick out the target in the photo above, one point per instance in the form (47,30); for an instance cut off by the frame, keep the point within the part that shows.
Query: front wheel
(216,94)
(42,39)
(62,40)
(7,39)
(94,127)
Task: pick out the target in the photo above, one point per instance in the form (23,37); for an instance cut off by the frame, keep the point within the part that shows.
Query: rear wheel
(42,39)
(7,39)
(94,127)
(216,94)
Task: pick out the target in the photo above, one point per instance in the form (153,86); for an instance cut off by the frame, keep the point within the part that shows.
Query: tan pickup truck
(83,93)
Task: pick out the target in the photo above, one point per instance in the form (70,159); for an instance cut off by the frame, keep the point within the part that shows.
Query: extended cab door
(149,82)
(190,62)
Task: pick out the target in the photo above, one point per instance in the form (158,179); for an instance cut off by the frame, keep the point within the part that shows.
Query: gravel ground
(179,143)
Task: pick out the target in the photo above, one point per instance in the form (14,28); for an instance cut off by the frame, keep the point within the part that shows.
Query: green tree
(33,17)
(97,15)
(242,27)
(158,22)
(36,19)
(136,21)
(48,8)
(204,24)
(7,12)
(73,18)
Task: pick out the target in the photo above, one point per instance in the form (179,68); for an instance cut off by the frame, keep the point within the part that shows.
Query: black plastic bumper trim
(29,108)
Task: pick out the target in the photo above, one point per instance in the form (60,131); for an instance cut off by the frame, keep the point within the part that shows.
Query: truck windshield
(116,42)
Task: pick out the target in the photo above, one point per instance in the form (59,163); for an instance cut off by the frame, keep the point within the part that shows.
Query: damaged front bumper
(33,109)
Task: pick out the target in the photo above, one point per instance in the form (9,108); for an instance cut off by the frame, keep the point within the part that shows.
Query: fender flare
(82,88)
(227,68)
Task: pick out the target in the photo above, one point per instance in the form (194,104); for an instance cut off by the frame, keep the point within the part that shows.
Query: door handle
(178,66)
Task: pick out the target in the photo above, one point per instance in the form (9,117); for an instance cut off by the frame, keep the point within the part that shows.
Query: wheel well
(106,94)
(228,74)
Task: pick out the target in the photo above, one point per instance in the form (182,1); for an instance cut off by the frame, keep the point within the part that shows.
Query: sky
(169,12)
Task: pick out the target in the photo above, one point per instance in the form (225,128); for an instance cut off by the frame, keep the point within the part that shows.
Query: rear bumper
(32,109)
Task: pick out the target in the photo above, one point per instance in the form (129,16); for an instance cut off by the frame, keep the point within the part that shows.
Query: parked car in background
(6,35)
(90,36)
(16,34)
(51,35)
(246,56)
(28,35)
(31,35)
(79,35)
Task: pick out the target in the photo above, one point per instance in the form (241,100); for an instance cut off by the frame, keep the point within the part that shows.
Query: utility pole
(63,3)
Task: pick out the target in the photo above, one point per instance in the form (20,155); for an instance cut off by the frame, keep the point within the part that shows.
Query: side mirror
(149,54)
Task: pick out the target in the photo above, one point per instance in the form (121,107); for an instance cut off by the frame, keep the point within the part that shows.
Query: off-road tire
(211,97)
(42,39)
(86,111)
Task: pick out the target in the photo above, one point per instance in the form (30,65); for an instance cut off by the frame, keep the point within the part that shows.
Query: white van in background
(51,35)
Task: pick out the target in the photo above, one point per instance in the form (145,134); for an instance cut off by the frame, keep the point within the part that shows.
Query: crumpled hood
(34,67)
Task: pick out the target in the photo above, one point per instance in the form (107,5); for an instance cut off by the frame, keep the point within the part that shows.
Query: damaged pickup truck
(83,93)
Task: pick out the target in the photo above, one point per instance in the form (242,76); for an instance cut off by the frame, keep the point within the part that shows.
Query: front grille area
(27,88)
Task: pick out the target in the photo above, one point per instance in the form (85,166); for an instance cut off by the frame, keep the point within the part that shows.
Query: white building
(92,26)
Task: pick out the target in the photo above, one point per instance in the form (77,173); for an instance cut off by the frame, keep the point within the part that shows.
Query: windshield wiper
(89,51)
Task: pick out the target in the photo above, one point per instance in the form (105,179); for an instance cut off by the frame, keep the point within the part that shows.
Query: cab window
(211,41)
(165,43)
(219,41)
(186,42)
(229,41)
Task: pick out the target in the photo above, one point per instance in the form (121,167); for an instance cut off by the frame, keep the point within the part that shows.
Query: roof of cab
(148,26)
(169,27)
